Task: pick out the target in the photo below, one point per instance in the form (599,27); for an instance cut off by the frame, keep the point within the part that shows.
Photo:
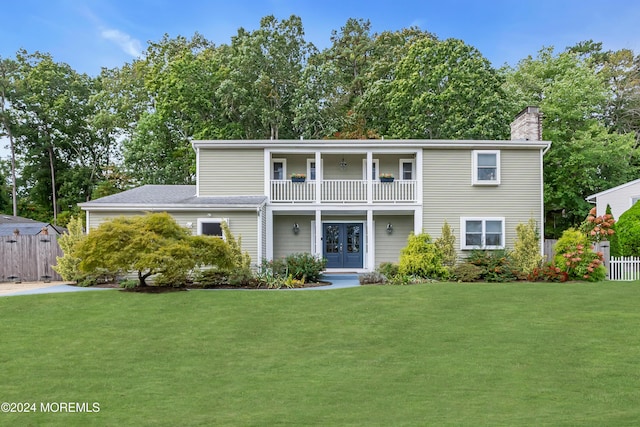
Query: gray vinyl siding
(448,193)
(388,246)
(243,225)
(231,172)
(285,242)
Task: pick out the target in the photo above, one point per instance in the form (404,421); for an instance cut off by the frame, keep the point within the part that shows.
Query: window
(278,168)
(211,226)
(482,233)
(406,169)
(311,169)
(486,167)
(375,167)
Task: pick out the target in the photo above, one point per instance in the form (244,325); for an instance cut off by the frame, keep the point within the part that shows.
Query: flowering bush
(575,257)
(386,175)
(597,228)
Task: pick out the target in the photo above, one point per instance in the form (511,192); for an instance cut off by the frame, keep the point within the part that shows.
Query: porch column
(319,177)
(369,177)
(371,244)
(318,245)
(269,234)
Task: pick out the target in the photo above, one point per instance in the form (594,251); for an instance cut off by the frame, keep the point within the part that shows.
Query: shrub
(613,239)
(373,277)
(597,228)
(300,266)
(388,269)
(495,265)
(526,255)
(548,273)
(446,245)
(574,256)
(467,272)
(68,265)
(422,258)
(628,228)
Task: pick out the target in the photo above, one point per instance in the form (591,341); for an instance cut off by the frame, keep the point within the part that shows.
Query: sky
(92,34)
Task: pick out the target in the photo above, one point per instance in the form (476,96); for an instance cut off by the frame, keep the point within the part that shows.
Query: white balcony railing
(344,191)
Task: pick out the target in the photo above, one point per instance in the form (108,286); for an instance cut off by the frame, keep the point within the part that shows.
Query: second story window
(486,167)
(311,169)
(407,167)
(278,169)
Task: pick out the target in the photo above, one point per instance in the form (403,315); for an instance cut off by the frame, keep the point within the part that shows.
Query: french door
(343,244)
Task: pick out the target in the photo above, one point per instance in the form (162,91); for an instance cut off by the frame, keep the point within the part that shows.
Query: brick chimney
(527,126)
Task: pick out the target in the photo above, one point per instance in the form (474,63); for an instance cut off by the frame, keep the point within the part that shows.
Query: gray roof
(26,226)
(170,196)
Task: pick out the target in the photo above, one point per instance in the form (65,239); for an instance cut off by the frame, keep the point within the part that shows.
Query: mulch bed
(150,289)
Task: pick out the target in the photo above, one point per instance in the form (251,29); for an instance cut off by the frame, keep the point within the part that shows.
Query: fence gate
(29,258)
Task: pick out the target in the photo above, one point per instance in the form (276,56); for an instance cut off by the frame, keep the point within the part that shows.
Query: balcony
(343,191)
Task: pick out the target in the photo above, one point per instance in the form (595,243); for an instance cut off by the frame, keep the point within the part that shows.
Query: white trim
(210,221)
(267,172)
(602,193)
(365,168)
(258,261)
(380,146)
(269,254)
(475,166)
(401,171)
(484,220)
(88,223)
(197,150)
(284,167)
(369,260)
(309,161)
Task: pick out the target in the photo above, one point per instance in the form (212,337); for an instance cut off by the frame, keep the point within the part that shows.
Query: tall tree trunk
(5,123)
(53,186)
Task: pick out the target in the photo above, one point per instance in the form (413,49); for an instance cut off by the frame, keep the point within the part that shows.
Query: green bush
(574,256)
(628,229)
(372,278)
(388,269)
(526,256)
(300,266)
(422,258)
(446,245)
(495,265)
(467,272)
(614,244)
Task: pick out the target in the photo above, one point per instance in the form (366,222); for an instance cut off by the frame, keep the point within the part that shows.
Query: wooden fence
(29,258)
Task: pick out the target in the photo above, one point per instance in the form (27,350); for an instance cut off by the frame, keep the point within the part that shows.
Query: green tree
(149,244)
(68,264)
(446,90)
(422,258)
(628,230)
(585,157)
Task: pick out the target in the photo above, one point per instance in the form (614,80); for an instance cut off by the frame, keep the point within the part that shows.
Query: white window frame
(284,167)
(463,233)
(401,171)
(475,166)
(309,161)
(210,221)
(375,169)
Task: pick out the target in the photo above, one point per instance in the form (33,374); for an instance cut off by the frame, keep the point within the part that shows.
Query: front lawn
(439,354)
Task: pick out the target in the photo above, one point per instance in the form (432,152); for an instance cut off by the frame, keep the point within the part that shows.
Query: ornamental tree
(150,244)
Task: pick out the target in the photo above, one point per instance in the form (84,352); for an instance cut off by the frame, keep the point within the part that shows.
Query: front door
(343,245)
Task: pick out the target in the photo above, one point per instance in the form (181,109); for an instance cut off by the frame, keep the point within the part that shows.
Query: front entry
(343,245)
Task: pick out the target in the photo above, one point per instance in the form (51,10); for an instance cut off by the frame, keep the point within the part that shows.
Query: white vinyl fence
(624,268)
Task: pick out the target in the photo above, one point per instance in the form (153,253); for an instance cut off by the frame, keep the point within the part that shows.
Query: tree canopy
(78,137)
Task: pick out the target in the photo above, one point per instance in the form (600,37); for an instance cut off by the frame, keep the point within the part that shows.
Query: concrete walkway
(338,281)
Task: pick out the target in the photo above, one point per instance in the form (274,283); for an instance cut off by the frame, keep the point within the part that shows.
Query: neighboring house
(620,198)
(10,225)
(343,210)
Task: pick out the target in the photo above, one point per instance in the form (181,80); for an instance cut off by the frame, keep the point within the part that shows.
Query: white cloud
(128,44)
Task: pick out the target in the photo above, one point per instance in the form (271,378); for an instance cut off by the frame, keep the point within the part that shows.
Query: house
(620,198)
(343,210)
(10,225)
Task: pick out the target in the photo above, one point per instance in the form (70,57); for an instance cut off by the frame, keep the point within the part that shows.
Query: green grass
(445,354)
